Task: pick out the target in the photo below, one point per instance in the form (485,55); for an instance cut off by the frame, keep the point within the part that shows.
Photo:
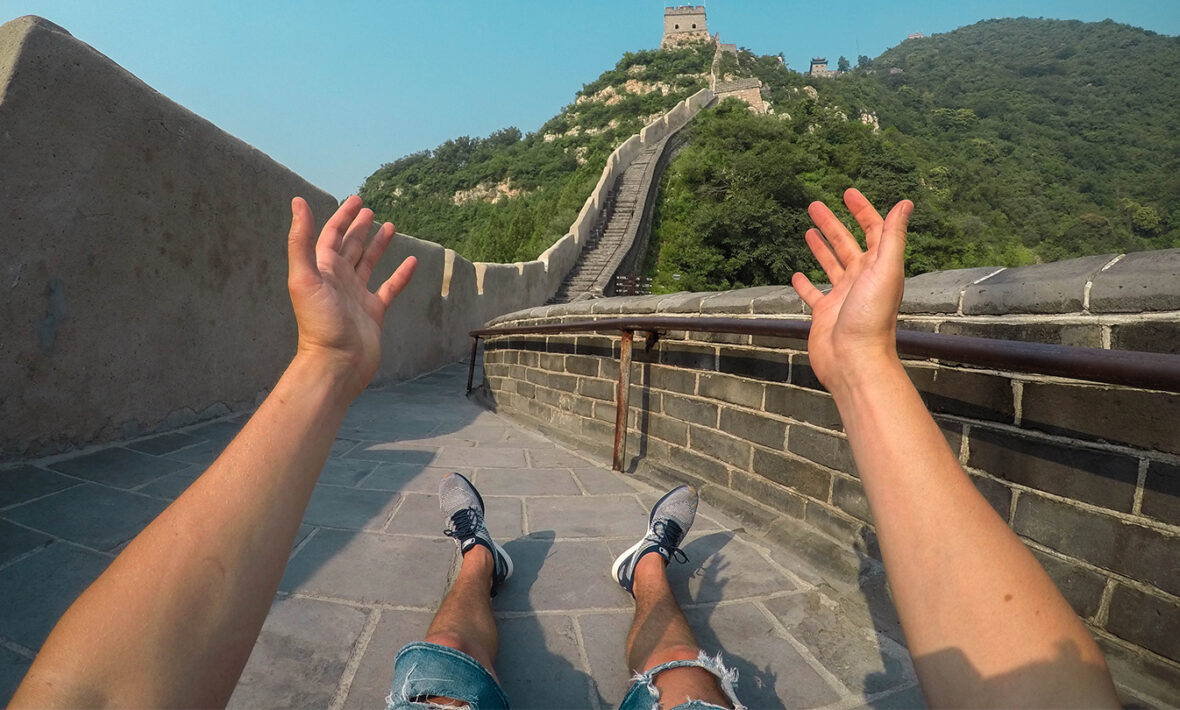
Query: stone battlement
(685,10)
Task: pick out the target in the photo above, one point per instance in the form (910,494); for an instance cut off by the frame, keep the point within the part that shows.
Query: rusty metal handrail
(1156,371)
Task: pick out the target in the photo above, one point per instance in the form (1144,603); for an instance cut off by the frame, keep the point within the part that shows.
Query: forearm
(173,620)
(961,579)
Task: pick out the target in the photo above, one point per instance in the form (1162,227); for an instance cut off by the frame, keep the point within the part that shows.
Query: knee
(449,639)
(671,653)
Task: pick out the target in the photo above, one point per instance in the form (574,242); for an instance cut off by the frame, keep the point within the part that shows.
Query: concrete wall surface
(1088,475)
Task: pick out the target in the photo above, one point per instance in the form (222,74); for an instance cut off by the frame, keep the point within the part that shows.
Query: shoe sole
(508,560)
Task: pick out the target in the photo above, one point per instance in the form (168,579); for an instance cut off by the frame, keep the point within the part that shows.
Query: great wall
(145,274)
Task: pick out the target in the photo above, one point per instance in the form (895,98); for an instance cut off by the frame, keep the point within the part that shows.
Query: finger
(824,255)
(356,236)
(374,251)
(394,284)
(866,216)
(333,233)
(835,232)
(810,294)
(301,241)
(893,234)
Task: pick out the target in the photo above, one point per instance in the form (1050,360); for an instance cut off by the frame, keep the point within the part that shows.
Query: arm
(984,623)
(172,621)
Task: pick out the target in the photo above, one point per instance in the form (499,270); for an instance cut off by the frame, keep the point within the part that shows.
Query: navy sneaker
(670,519)
(462,508)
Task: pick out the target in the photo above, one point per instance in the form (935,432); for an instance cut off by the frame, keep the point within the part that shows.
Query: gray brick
(1150,675)
(752,363)
(565,383)
(802,374)
(528,359)
(844,529)
(668,429)
(952,431)
(596,346)
(1055,287)
(938,291)
(719,338)
(598,431)
(1147,336)
(1141,282)
(693,357)
(1081,335)
(1161,492)
(768,493)
(997,495)
(1097,477)
(21,483)
(95,516)
(732,389)
(1081,587)
(1147,620)
(804,405)
(598,389)
(1138,552)
(117,467)
(552,362)
(673,380)
(701,466)
(1138,418)
(580,365)
(758,428)
(720,446)
(970,394)
(822,447)
(798,474)
(537,377)
(694,411)
(849,496)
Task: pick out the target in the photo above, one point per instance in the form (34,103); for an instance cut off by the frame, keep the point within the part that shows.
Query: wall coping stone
(941,291)
(1057,287)
(1143,281)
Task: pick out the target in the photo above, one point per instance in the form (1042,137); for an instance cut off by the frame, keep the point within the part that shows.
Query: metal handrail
(1156,371)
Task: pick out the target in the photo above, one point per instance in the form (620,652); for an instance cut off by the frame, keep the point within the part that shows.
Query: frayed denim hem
(644,695)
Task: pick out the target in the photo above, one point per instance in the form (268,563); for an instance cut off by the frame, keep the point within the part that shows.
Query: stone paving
(370,565)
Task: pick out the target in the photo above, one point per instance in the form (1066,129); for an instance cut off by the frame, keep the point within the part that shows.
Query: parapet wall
(1088,475)
(145,262)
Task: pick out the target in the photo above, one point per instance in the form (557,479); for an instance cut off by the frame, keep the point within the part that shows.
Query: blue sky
(335,89)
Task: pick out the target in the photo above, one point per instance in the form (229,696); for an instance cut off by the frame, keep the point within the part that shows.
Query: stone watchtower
(819,67)
(684,24)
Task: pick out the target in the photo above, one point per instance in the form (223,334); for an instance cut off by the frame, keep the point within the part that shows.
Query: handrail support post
(471,363)
(622,390)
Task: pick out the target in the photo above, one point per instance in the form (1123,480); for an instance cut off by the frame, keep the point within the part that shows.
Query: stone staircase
(588,277)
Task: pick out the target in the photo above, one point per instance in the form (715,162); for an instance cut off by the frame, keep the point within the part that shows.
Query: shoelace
(465,524)
(664,533)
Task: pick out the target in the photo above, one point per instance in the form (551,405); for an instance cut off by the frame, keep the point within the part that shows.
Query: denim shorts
(423,670)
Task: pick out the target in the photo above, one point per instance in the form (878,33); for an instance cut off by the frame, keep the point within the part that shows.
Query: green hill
(508,196)
(1019,141)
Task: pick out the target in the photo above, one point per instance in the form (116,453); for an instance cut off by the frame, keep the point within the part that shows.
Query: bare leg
(660,634)
(464,621)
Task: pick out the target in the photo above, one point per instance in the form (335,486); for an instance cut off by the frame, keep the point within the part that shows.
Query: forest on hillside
(1019,141)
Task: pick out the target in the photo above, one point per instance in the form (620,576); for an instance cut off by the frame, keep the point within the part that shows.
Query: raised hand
(339,318)
(854,325)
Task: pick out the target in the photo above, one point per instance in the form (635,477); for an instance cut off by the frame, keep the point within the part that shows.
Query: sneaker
(462,507)
(670,519)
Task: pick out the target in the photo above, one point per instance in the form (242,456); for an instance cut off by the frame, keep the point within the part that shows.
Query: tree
(842,64)
(863,62)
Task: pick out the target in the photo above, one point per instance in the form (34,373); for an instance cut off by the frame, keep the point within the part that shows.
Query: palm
(339,318)
(856,320)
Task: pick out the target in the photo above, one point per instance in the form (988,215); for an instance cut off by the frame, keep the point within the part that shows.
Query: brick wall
(1088,475)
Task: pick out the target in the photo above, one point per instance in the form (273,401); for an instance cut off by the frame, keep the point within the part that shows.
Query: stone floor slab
(853,653)
(370,568)
(601,481)
(95,516)
(23,483)
(588,516)
(557,458)
(473,457)
(419,514)
(16,541)
(526,482)
(202,454)
(771,673)
(116,466)
(559,576)
(346,472)
(170,487)
(13,667)
(38,589)
(605,637)
(300,655)
(539,664)
(409,477)
(350,508)
(374,675)
(391,453)
(164,443)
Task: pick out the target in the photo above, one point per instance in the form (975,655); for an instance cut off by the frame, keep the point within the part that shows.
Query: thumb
(301,241)
(893,233)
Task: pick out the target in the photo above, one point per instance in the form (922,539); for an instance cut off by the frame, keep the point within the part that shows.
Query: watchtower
(819,66)
(683,24)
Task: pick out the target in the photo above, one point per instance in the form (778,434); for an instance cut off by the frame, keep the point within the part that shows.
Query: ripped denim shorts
(426,670)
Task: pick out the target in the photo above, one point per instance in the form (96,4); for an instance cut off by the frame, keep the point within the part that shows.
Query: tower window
(694,25)
(675,27)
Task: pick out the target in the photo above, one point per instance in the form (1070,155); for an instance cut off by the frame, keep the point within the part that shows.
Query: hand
(854,326)
(339,318)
